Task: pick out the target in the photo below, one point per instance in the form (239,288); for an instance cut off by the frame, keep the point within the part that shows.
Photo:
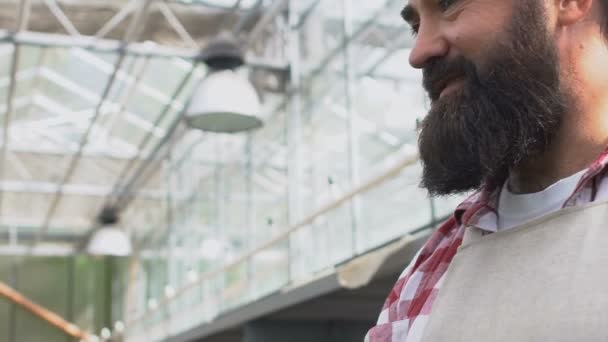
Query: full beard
(501,117)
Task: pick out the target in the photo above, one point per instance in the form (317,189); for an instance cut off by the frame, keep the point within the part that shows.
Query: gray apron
(546,280)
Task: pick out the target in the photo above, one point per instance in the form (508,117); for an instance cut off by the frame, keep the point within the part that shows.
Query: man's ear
(570,12)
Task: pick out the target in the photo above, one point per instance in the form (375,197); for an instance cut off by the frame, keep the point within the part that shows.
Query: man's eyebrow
(409,14)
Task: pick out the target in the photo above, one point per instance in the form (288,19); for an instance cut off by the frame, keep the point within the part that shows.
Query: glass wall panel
(352,119)
(394,208)
(269,270)
(54,296)
(322,31)
(76,288)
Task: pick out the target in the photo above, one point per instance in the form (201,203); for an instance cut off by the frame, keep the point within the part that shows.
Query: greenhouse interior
(128,214)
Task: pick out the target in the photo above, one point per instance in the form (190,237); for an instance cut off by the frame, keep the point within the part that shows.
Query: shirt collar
(480,209)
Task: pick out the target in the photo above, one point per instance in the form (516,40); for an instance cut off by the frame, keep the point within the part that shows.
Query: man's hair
(604,4)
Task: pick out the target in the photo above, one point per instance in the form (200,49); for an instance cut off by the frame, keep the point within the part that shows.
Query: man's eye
(446,4)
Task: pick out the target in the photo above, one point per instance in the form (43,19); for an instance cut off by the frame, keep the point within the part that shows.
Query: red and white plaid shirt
(408,306)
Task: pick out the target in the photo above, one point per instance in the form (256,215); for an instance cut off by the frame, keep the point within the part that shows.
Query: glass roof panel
(57,91)
(6,53)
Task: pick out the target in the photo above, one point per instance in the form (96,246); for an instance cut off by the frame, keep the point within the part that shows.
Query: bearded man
(519,114)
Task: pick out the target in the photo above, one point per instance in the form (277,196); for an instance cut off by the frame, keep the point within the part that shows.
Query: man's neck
(583,135)
(578,143)
(536,177)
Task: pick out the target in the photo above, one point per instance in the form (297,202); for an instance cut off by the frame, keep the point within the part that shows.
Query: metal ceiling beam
(86,190)
(306,13)
(90,96)
(176,25)
(42,152)
(54,40)
(69,85)
(121,15)
(23,19)
(246,19)
(76,158)
(397,41)
(136,25)
(17,104)
(144,171)
(125,184)
(125,172)
(79,119)
(361,29)
(21,169)
(359,32)
(145,63)
(392,49)
(22,236)
(105,67)
(37,135)
(22,75)
(270,14)
(33,223)
(149,49)
(36,83)
(66,115)
(132,33)
(261,21)
(61,17)
(41,251)
(7,118)
(22,22)
(325,62)
(225,16)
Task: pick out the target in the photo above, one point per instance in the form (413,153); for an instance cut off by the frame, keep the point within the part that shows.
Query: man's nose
(429,44)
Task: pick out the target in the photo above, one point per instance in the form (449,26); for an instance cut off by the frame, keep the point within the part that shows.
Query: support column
(70,290)
(14,282)
(294,134)
(251,235)
(352,127)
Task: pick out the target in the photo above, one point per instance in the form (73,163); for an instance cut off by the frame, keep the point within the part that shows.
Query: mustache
(439,72)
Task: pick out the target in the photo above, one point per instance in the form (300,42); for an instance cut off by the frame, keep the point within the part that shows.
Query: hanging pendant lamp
(109,240)
(224,101)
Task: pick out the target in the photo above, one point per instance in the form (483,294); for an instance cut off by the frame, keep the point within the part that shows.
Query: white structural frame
(133,174)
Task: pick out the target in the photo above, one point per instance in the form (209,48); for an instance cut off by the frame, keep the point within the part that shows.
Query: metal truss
(94,124)
(189,44)
(22,19)
(131,34)
(119,197)
(46,188)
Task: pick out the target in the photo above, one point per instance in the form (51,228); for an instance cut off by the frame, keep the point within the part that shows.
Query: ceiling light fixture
(109,240)
(224,101)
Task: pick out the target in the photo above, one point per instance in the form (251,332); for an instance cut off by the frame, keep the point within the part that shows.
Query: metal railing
(205,302)
(44,314)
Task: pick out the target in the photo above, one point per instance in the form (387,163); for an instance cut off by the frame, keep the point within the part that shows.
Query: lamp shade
(224,102)
(110,240)
(223,52)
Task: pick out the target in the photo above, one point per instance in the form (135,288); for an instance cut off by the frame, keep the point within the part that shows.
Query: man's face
(491,71)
